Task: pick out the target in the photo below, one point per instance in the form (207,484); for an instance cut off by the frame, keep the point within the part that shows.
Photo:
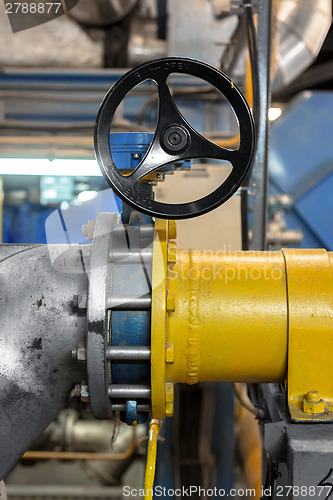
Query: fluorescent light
(274,113)
(86,195)
(75,168)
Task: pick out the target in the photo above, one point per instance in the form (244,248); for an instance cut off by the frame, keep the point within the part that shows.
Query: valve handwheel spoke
(174,139)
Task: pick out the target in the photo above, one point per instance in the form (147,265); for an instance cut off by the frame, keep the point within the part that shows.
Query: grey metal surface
(122,407)
(128,391)
(127,257)
(260,175)
(100,283)
(194,30)
(302,454)
(39,328)
(129,303)
(102,12)
(128,353)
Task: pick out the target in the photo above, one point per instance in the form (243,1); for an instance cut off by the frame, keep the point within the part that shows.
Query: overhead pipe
(301,27)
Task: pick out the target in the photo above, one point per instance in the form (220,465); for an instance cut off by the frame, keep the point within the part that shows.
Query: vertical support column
(260,174)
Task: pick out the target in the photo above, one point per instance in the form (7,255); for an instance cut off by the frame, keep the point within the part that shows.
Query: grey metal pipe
(36,369)
(127,257)
(129,391)
(301,27)
(129,303)
(140,353)
(143,408)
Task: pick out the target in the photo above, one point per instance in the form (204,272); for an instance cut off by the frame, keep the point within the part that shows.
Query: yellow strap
(154,429)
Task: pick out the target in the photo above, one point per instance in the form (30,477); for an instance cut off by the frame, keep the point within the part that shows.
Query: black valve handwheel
(174,139)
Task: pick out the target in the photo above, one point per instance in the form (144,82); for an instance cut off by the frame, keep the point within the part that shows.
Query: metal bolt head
(77,390)
(172,253)
(74,353)
(169,398)
(170,353)
(81,354)
(85,398)
(88,230)
(172,227)
(169,409)
(313,404)
(171,301)
(169,392)
(313,396)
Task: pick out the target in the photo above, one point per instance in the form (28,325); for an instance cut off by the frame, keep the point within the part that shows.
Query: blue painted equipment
(301,165)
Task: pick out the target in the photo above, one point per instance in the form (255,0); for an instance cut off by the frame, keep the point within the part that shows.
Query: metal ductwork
(301,27)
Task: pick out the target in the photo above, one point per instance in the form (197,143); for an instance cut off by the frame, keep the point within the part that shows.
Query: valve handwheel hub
(174,139)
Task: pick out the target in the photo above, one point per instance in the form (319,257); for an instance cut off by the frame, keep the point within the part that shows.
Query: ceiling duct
(301,27)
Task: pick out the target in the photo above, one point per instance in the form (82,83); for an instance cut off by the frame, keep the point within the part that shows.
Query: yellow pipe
(154,428)
(229,321)
(229,316)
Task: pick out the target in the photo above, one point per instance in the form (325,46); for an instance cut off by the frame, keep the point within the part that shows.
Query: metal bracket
(310,311)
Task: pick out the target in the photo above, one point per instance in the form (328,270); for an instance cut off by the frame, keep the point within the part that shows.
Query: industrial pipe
(230,316)
(300,27)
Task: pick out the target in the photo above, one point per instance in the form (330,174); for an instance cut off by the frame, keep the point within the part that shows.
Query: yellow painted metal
(164,254)
(154,428)
(242,317)
(229,321)
(158,318)
(310,310)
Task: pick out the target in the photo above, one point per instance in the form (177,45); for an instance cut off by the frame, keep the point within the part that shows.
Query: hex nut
(170,353)
(172,228)
(172,253)
(169,392)
(171,301)
(88,230)
(313,404)
(169,398)
(77,390)
(81,354)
